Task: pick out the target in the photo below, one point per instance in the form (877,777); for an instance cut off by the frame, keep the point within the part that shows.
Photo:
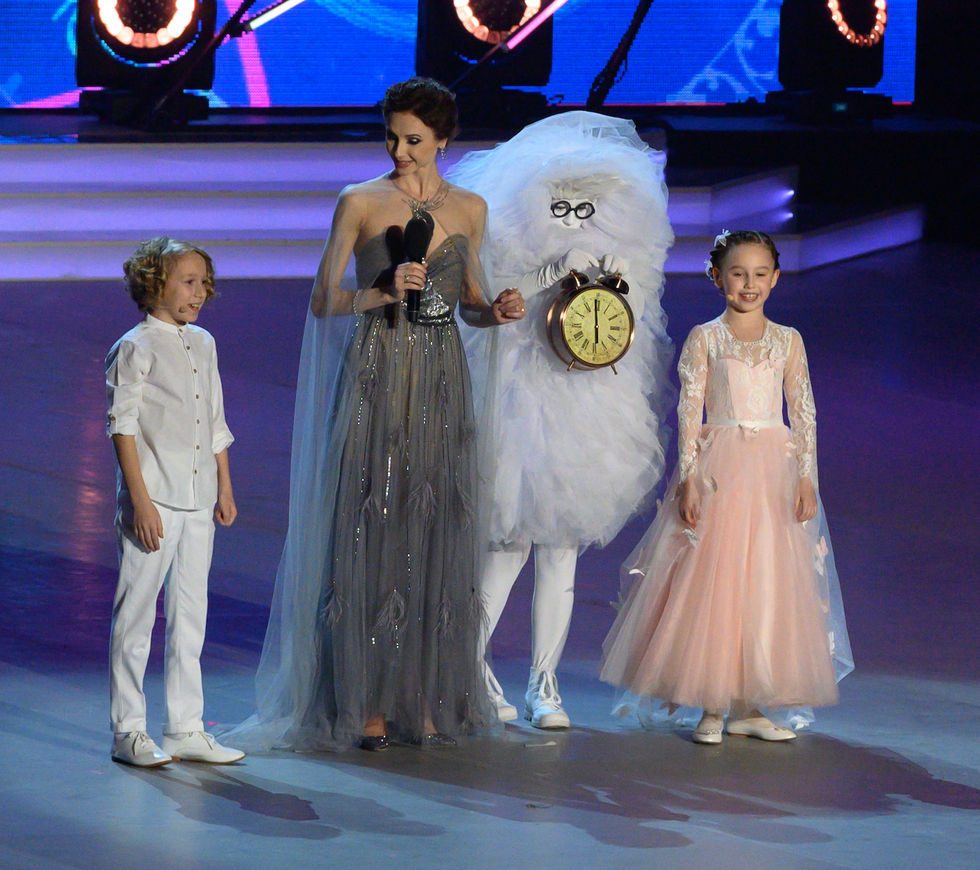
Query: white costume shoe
(542,703)
(506,712)
(136,748)
(200,746)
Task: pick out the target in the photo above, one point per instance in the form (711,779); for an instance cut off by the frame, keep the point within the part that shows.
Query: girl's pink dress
(746,607)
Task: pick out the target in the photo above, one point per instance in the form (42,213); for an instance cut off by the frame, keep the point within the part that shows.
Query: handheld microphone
(418,234)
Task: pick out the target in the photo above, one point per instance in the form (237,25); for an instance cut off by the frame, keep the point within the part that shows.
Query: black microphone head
(418,234)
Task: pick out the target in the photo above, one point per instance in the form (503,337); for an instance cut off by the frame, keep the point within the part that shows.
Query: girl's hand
(689,502)
(508,307)
(806,500)
(225,511)
(147,525)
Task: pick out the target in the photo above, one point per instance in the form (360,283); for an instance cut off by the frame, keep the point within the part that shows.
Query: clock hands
(596,310)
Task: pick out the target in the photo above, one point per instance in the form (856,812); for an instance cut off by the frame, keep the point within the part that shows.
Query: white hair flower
(722,238)
(709,269)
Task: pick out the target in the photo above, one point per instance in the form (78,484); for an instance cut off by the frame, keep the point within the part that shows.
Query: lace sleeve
(693,371)
(800,407)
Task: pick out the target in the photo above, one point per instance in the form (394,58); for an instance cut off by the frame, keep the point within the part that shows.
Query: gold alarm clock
(591,325)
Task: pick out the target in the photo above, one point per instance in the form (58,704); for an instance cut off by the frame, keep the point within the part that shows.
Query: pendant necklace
(420,207)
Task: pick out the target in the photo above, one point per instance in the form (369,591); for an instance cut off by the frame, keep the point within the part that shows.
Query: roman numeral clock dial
(591,325)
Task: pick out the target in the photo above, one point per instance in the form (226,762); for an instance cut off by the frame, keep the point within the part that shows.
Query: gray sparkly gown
(400,615)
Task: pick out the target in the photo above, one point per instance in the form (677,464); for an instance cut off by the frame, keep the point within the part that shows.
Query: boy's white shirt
(163,387)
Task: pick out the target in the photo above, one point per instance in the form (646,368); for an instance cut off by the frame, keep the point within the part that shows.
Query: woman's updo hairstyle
(430,101)
(728,239)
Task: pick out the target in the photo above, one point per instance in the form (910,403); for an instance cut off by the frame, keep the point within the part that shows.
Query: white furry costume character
(576,451)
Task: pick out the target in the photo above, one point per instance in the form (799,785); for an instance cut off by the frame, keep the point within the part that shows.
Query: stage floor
(888,779)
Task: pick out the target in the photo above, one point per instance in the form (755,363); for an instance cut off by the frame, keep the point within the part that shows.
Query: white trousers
(182,564)
(554,595)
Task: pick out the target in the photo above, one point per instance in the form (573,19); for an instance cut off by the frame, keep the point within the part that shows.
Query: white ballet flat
(760,728)
(708,736)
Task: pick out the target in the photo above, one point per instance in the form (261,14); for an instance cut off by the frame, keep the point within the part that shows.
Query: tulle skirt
(739,609)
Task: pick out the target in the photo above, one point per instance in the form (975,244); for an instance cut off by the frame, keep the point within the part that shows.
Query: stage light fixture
(134,50)
(455,36)
(831,45)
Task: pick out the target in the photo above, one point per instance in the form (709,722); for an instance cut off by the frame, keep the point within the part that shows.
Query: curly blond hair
(147,270)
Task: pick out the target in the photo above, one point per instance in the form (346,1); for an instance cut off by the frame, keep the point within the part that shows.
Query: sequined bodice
(446,267)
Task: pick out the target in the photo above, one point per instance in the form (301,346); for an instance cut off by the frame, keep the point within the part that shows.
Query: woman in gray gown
(375,620)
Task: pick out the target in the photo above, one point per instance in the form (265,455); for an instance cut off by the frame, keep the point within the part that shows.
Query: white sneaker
(136,748)
(542,703)
(200,746)
(505,712)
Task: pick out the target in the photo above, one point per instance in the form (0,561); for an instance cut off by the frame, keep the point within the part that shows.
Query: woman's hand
(689,502)
(806,500)
(408,276)
(508,307)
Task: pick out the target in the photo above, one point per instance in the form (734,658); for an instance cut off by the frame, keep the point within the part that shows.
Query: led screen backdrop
(345,52)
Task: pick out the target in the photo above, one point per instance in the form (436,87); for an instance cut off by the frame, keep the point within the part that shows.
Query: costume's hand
(575,260)
(613,264)
(225,510)
(806,500)
(148,526)
(689,502)
(508,307)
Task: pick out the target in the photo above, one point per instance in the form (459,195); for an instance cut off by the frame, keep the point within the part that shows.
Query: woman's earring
(442,152)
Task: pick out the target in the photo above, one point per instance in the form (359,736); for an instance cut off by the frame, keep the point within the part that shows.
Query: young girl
(736,605)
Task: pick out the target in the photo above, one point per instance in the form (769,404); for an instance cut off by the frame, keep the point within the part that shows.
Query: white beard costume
(576,452)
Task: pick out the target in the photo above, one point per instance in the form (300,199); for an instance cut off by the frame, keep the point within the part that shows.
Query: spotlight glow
(865,40)
(481,31)
(540,19)
(181,19)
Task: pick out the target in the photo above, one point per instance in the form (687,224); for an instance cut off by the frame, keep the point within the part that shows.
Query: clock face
(597,326)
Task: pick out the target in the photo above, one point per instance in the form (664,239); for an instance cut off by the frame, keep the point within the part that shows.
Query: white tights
(554,595)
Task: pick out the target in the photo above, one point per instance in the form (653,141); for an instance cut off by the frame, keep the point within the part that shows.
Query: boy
(166,420)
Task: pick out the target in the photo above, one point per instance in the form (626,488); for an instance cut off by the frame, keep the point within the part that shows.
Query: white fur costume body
(576,452)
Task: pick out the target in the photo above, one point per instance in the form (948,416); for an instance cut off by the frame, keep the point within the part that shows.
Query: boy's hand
(689,502)
(225,510)
(148,526)
(806,500)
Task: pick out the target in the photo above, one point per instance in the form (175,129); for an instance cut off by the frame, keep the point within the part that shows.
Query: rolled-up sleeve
(221,437)
(125,376)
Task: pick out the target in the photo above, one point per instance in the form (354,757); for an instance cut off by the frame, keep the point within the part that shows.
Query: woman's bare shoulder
(365,191)
(472,205)
(469,199)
